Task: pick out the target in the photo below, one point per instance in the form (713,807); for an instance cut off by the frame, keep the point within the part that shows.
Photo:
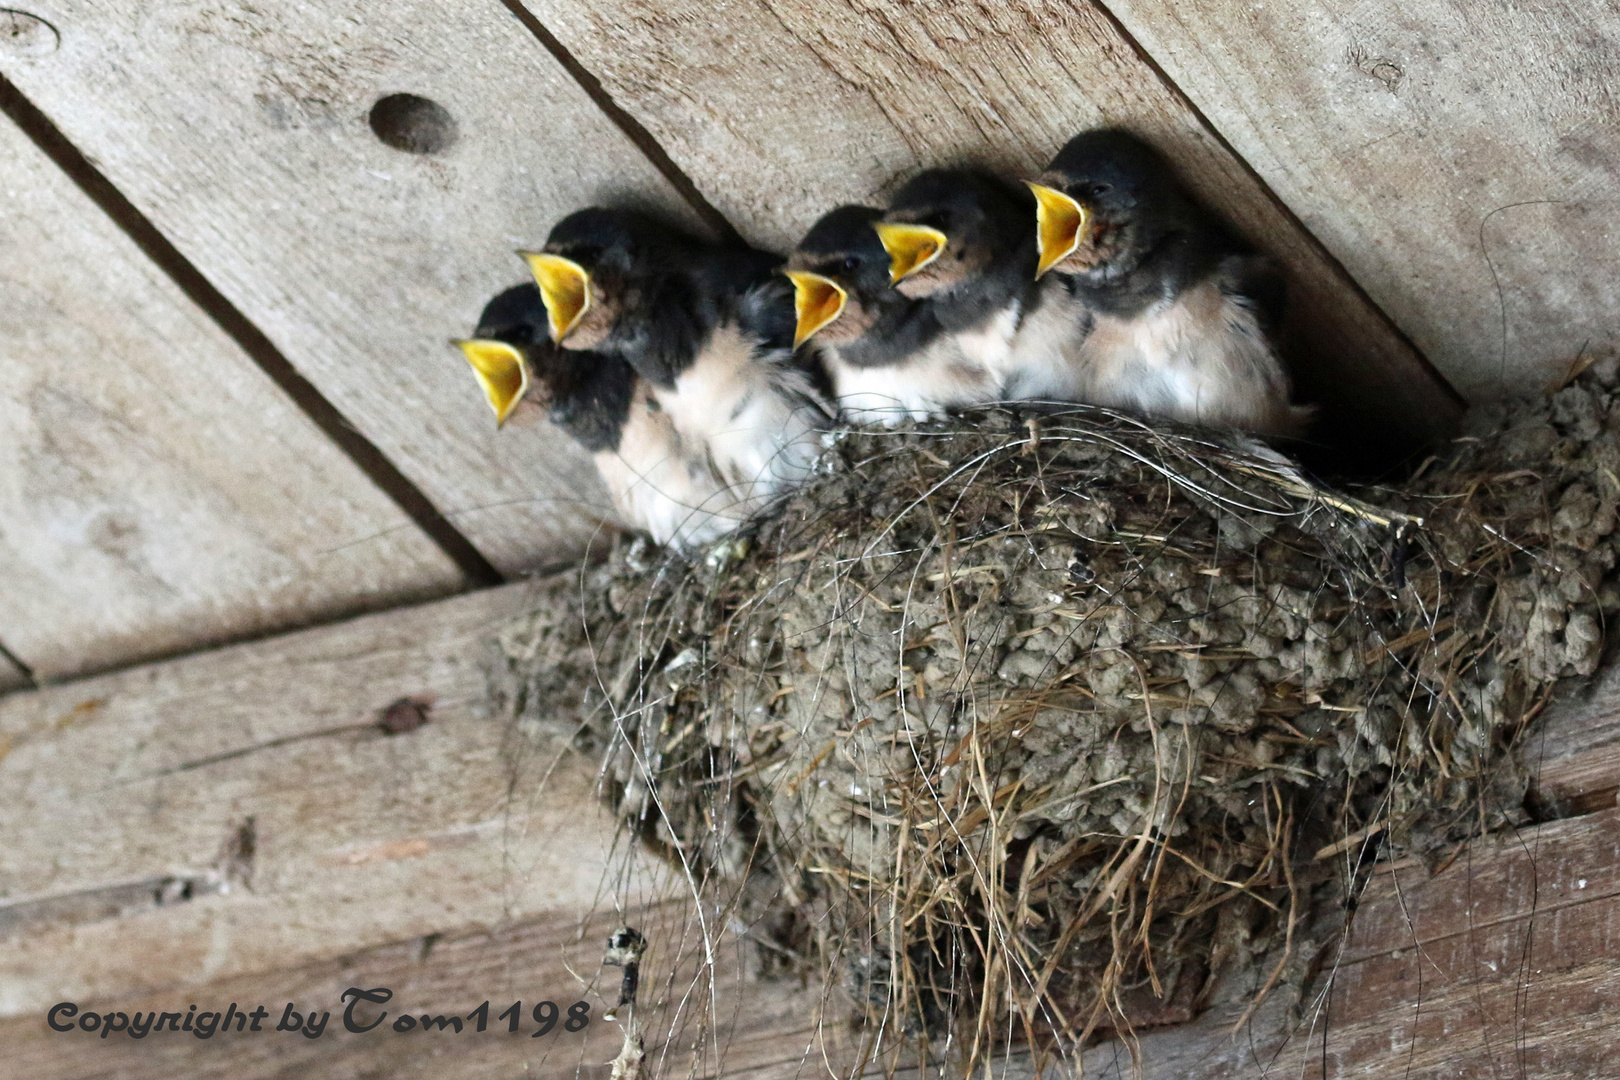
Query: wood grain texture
(1574,755)
(557,959)
(1505,963)
(779,110)
(121,790)
(242,131)
(1458,158)
(157,491)
(12,677)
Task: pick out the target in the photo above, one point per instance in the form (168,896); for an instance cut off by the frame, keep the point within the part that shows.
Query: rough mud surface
(1036,724)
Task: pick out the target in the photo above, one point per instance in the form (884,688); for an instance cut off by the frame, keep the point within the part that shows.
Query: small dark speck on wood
(1381,68)
(404,716)
(237,854)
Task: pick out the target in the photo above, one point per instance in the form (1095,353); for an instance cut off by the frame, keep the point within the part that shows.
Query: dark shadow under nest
(1027,726)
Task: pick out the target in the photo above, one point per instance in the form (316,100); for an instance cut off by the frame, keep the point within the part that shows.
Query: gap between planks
(365,454)
(626,123)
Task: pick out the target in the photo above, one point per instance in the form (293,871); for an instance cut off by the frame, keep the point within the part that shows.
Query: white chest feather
(664,485)
(753,414)
(953,371)
(1043,362)
(1201,359)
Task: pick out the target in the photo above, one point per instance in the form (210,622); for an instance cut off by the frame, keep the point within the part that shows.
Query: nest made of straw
(1028,724)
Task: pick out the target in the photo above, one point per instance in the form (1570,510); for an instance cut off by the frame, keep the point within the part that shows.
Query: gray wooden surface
(241,131)
(755,1025)
(11,676)
(157,491)
(116,789)
(779,110)
(1459,158)
(436,862)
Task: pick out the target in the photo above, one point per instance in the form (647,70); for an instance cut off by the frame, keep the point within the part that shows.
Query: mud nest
(1029,725)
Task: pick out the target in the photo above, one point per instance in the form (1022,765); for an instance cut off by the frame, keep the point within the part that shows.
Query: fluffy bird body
(708,329)
(658,481)
(888,356)
(979,278)
(1175,309)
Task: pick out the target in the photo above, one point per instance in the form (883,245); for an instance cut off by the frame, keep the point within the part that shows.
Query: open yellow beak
(817,301)
(502,372)
(565,288)
(1060,225)
(910,247)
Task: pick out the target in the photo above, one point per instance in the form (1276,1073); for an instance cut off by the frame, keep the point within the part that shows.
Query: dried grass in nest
(1026,725)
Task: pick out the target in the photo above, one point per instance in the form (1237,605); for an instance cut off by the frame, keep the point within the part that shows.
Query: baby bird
(1177,307)
(887,356)
(705,326)
(659,483)
(965,242)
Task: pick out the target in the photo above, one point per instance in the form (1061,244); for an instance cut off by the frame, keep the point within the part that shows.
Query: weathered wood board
(118,790)
(557,959)
(778,111)
(1574,755)
(242,131)
(1506,963)
(1458,158)
(408,862)
(157,491)
(12,677)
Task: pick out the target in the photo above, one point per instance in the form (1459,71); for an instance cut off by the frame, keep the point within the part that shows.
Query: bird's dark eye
(1101,189)
(851,262)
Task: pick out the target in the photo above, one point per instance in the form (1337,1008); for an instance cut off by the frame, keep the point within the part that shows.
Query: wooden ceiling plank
(1573,754)
(778,110)
(12,675)
(242,131)
(557,958)
(120,789)
(1459,160)
(1503,963)
(158,492)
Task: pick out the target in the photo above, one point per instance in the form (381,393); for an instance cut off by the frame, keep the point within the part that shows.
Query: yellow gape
(910,247)
(502,372)
(565,288)
(1060,225)
(817,301)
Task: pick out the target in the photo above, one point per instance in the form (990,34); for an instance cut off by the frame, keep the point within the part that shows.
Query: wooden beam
(557,959)
(1502,961)
(434,862)
(1477,211)
(243,132)
(241,811)
(1502,964)
(12,677)
(157,491)
(778,110)
(1574,755)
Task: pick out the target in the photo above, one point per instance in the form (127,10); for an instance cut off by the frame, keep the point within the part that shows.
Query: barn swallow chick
(887,355)
(696,322)
(659,483)
(1178,307)
(965,242)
